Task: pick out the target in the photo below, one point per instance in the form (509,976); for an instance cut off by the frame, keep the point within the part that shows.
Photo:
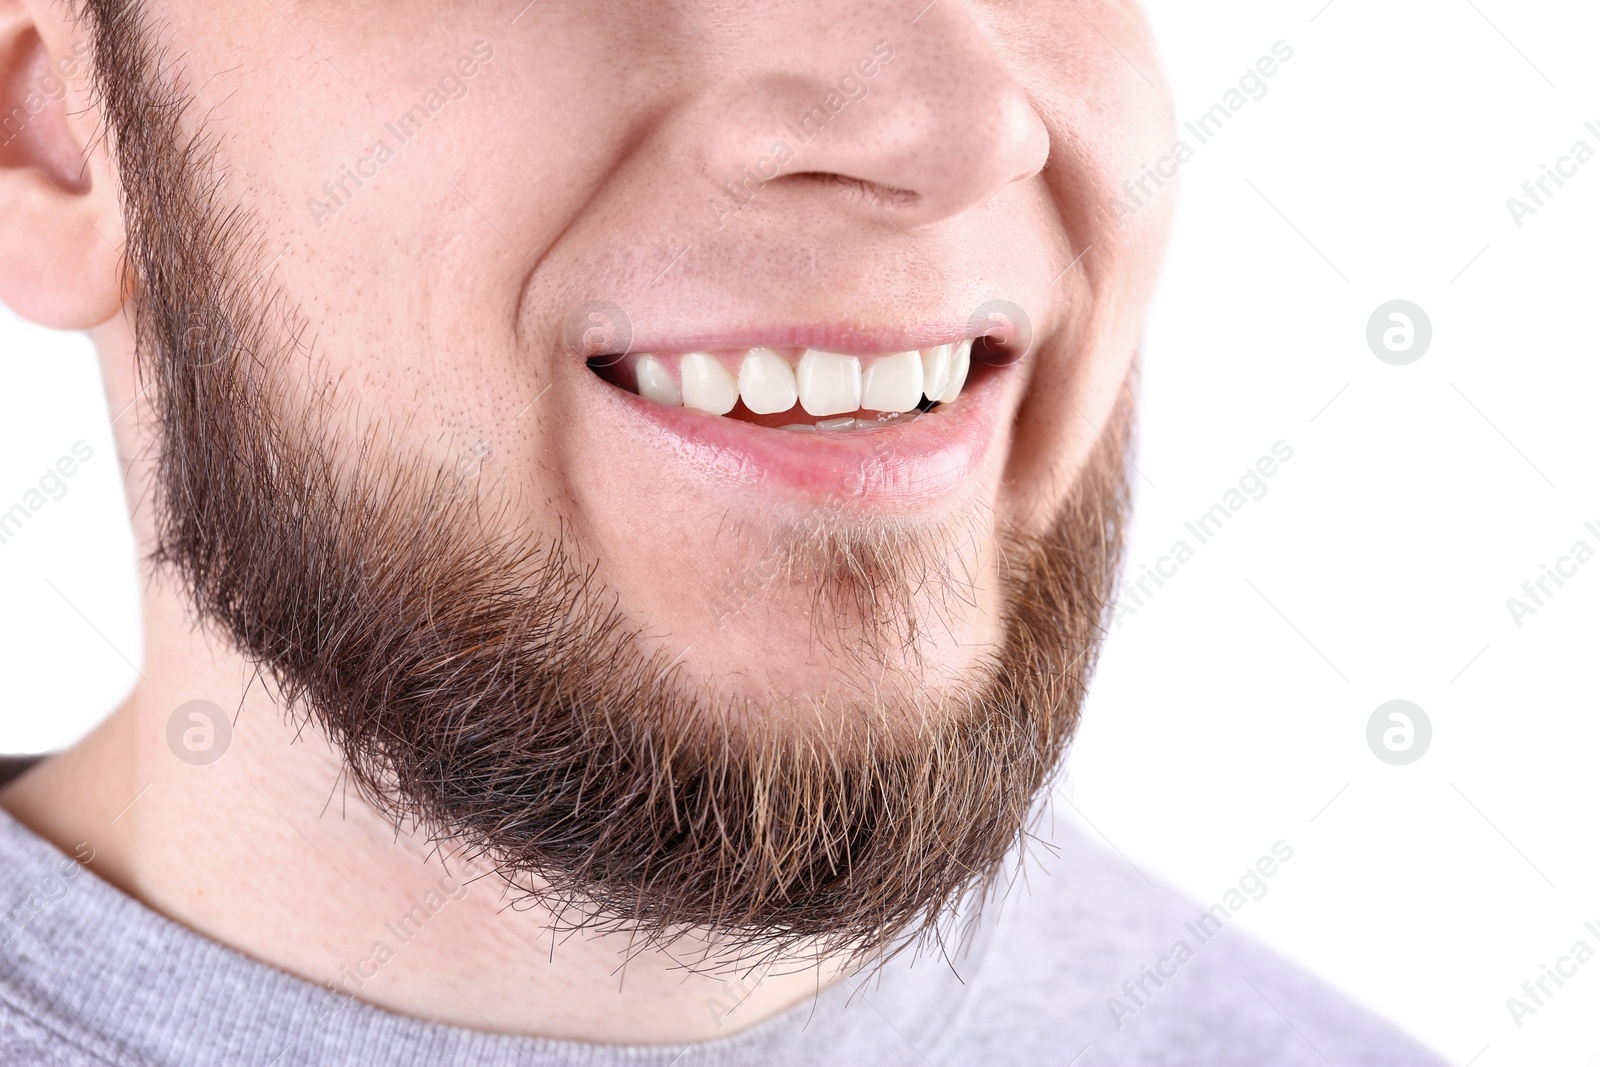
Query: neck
(266,851)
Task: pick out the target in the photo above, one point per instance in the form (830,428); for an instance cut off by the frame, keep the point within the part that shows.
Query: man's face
(460,199)
(442,252)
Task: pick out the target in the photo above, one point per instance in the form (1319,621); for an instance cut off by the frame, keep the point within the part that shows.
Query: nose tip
(942,138)
(929,128)
(995,140)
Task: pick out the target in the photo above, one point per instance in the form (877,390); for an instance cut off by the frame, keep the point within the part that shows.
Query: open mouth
(902,427)
(799,389)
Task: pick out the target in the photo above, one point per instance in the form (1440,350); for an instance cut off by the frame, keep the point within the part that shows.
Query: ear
(61,233)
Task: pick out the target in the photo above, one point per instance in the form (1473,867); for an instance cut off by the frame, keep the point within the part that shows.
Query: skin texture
(432,305)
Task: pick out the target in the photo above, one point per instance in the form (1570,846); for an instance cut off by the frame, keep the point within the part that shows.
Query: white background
(1231,708)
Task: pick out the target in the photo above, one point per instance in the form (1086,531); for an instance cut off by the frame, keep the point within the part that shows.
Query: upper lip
(842,338)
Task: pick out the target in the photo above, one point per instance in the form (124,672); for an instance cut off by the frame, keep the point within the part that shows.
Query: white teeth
(893,383)
(936,370)
(960,363)
(707,385)
(830,384)
(766,382)
(656,382)
(824,384)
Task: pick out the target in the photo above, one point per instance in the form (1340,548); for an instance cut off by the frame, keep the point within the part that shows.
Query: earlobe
(61,233)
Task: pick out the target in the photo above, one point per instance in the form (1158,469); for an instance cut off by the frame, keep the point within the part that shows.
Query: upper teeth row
(824,383)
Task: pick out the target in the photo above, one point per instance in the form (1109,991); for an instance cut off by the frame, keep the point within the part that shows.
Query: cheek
(401,222)
(1106,121)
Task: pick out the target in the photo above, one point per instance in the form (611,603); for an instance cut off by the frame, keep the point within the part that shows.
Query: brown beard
(485,687)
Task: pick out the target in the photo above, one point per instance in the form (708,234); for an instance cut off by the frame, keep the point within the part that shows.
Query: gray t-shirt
(1081,965)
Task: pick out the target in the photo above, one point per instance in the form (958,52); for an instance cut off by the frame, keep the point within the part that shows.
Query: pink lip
(905,465)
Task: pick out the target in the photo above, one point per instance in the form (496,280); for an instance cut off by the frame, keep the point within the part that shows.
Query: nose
(922,121)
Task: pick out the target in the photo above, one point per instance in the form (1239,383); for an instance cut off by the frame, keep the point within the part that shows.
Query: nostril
(859,190)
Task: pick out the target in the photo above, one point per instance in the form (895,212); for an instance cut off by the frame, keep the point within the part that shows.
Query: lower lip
(908,464)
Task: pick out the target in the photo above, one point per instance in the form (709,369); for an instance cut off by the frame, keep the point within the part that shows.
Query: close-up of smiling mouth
(798,388)
(899,423)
